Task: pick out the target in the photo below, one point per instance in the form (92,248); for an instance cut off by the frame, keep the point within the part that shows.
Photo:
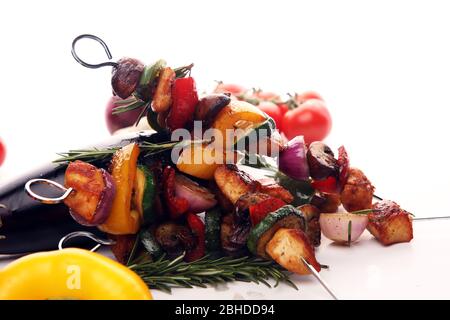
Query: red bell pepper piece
(344,164)
(177,205)
(260,210)
(184,101)
(328,185)
(198,229)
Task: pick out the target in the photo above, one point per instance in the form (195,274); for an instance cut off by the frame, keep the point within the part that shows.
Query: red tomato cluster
(303,114)
(2,152)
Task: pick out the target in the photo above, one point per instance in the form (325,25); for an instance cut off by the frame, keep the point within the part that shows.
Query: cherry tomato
(283,108)
(272,111)
(234,89)
(307,95)
(2,152)
(266,95)
(311,120)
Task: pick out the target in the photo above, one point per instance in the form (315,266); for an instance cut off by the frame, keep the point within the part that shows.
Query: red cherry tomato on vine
(2,152)
(234,89)
(307,95)
(266,95)
(272,111)
(311,120)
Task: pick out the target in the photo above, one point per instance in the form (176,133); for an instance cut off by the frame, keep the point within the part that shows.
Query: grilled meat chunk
(357,192)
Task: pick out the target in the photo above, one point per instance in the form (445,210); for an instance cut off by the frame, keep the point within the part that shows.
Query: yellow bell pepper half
(70,274)
(123,219)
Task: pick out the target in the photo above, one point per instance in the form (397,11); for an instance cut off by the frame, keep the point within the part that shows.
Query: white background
(383,68)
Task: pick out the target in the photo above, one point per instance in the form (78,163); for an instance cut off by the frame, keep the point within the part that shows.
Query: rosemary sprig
(164,274)
(147,149)
(95,154)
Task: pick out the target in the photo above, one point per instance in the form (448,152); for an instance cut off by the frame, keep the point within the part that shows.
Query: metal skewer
(418,218)
(319,278)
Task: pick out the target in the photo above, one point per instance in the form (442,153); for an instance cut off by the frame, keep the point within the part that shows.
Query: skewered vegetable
(125,77)
(357,192)
(261,209)
(150,244)
(321,161)
(389,223)
(176,205)
(198,229)
(285,217)
(343,227)
(124,218)
(70,274)
(93,192)
(184,101)
(175,238)
(144,194)
(208,107)
(198,160)
(288,246)
(293,161)
(199,198)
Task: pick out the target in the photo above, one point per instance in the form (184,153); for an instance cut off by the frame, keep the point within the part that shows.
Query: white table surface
(382,68)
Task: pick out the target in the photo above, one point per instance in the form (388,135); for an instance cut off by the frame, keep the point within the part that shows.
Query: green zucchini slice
(285,217)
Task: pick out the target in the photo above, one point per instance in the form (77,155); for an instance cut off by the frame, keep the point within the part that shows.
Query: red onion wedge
(343,227)
(293,161)
(199,198)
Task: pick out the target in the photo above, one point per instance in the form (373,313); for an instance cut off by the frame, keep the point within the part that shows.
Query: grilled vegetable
(174,238)
(144,194)
(237,115)
(313,231)
(357,192)
(321,161)
(288,246)
(198,229)
(209,106)
(125,77)
(184,101)
(233,182)
(177,206)
(198,160)
(212,230)
(231,235)
(260,210)
(123,219)
(300,191)
(343,227)
(150,244)
(292,160)
(389,223)
(285,217)
(162,98)
(199,198)
(93,192)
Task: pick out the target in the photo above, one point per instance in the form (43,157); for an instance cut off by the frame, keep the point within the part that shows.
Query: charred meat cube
(357,192)
(389,223)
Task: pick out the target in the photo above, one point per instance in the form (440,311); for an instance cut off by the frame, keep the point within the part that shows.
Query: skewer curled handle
(85,234)
(43,199)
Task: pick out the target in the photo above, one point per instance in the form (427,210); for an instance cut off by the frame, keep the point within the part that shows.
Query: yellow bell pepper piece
(198,160)
(123,219)
(70,274)
(237,115)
